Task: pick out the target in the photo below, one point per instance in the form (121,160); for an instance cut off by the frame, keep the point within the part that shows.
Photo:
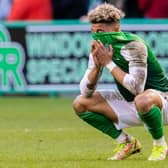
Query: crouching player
(142,95)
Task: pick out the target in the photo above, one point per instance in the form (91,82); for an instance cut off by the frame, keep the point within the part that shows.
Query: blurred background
(12,10)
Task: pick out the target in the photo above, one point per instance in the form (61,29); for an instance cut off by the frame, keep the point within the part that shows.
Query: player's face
(102,27)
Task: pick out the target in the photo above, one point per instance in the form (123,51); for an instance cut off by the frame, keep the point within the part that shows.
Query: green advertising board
(52,57)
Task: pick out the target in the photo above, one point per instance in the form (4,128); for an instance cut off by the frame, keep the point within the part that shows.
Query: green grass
(45,133)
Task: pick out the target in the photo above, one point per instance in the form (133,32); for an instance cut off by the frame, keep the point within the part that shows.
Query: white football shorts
(126,111)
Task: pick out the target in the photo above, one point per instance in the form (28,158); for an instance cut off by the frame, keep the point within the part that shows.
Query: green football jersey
(156,78)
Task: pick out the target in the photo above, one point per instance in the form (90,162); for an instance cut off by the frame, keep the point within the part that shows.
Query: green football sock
(153,120)
(102,123)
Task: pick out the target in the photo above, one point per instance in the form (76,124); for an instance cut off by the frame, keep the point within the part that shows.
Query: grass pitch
(45,133)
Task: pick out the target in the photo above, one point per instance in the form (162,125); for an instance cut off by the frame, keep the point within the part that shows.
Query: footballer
(141,97)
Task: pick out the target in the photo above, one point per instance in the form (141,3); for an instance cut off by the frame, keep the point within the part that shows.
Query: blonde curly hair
(105,13)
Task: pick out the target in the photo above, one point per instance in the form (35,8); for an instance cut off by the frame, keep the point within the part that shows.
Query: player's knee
(142,103)
(78,105)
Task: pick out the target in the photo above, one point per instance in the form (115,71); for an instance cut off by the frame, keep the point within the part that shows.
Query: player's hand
(103,55)
(94,51)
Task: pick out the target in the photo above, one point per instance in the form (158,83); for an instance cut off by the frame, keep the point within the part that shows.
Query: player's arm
(136,53)
(89,81)
(90,78)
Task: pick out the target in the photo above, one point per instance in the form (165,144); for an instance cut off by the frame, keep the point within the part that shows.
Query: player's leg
(97,112)
(149,105)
